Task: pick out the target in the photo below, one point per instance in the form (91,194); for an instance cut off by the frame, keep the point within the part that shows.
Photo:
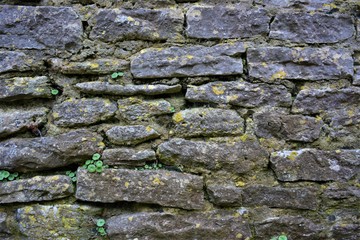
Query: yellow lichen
(278,75)
(127,184)
(197,225)
(244,137)
(292,156)
(130,218)
(239,235)
(218,89)
(157,181)
(178,117)
(130,19)
(240,184)
(94,65)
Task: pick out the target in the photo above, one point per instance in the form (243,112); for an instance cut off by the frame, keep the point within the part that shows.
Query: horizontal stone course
(127,156)
(11,61)
(131,135)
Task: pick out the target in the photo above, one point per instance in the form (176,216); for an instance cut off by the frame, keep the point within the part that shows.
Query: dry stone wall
(214,119)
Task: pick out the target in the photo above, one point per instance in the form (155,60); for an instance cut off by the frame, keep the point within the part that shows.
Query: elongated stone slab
(315,165)
(221,59)
(36,189)
(127,156)
(240,93)
(18,61)
(131,135)
(271,63)
(161,187)
(35,154)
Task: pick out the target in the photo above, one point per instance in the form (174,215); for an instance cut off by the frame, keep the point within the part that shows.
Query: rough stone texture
(198,156)
(18,61)
(313,101)
(225,195)
(339,192)
(288,127)
(315,165)
(308,5)
(135,109)
(131,135)
(278,197)
(161,187)
(312,28)
(36,189)
(35,154)
(26,27)
(18,120)
(82,112)
(198,122)
(226,22)
(221,59)
(356,80)
(239,93)
(127,157)
(61,221)
(3,226)
(20,88)
(139,24)
(345,231)
(218,224)
(270,63)
(126,90)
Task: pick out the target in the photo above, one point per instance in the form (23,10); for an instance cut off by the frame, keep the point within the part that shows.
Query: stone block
(127,156)
(131,135)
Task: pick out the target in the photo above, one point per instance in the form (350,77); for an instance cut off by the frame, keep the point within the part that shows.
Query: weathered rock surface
(82,112)
(356,80)
(131,135)
(36,189)
(161,187)
(226,22)
(240,93)
(312,28)
(136,109)
(17,120)
(127,156)
(288,127)
(345,231)
(26,27)
(34,154)
(18,61)
(126,90)
(221,59)
(270,63)
(315,165)
(20,88)
(3,226)
(198,122)
(138,24)
(313,101)
(224,194)
(60,221)
(338,191)
(218,224)
(198,156)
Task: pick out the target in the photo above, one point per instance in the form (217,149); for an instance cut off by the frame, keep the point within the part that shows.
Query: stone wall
(214,119)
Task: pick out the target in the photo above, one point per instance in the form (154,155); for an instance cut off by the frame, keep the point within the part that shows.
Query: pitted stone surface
(226,195)
(127,156)
(131,135)
(18,61)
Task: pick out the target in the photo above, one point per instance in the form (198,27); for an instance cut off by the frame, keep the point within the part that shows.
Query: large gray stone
(82,112)
(20,88)
(237,156)
(221,21)
(127,157)
(26,27)
(198,122)
(271,63)
(35,154)
(131,135)
(38,188)
(112,25)
(221,59)
(215,225)
(224,195)
(239,93)
(126,90)
(18,120)
(18,61)
(312,28)
(315,165)
(161,187)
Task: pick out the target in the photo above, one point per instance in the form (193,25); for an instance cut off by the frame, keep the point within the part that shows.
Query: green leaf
(273,238)
(282,237)
(120,74)
(103,234)
(99,163)
(100,222)
(54,92)
(6,174)
(160,165)
(74,179)
(91,168)
(99,169)
(1,177)
(71,174)
(101,229)
(96,156)
(88,162)
(114,75)
(11,177)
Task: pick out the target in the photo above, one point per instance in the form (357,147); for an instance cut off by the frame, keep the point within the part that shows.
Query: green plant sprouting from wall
(152,166)
(7,176)
(100,223)
(95,164)
(117,74)
(280,237)
(72,175)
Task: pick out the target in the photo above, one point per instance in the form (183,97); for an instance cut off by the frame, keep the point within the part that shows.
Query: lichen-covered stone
(237,156)
(27,27)
(35,154)
(312,28)
(224,194)
(3,226)
(127,156)
(288,127)
(82,112)
(239,93)
(356,80)
(221,59)
(340,192)
(38,188)
(20,88)
(344,231)
(215,225)
(221,21)
(18,61)
(136,109)
(17,120)
(131,135)
(315,165)
(271,63)
(197,122)
(312,101)
(126,90)
(161,187)
(112,25)
(57,221)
